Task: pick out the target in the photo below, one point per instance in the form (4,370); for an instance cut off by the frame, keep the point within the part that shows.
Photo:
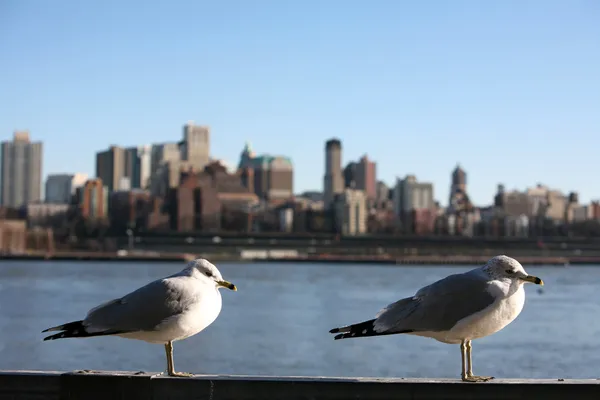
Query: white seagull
(456,309)
(162,312)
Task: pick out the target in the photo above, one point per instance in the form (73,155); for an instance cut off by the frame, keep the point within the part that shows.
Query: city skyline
(131,156)
(433,86)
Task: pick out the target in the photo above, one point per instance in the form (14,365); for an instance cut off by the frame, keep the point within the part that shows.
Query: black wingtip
(55,336)
(334,330)
(337,337)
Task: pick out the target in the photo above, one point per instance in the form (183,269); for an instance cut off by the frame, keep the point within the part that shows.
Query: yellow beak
(533,279)
(227,285)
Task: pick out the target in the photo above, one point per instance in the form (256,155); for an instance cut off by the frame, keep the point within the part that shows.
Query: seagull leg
(171,364)
(463,357)
(470,377)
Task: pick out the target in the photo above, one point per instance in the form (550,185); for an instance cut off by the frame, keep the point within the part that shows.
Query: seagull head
(507,268)
(208,273)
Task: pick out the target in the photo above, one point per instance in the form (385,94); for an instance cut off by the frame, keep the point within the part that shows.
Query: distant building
(164,159)
(286,219)
(459,201)
(21,171)
(169,159)
(547,202)
(60,188)
(365,177)
(594,210)
(211,200)
(117,163)
(137,166)
(350,175)
(350,208)
(46,214)
(273,175)
(93,199)
(110,167)
(582,213)
(195,147)
(161,153)
(13,236)
(383,194)
(312,195)
(410,197)
(129,209)
(514,203)
(459,180)
(333,181)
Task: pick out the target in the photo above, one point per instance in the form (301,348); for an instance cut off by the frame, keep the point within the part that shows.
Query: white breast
(489,320)
(194,320)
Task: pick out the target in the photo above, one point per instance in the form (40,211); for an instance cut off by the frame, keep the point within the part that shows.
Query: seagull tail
(362,329)
(74,329)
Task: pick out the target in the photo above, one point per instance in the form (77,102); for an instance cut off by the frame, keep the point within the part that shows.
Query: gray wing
(140,310)
(439,306)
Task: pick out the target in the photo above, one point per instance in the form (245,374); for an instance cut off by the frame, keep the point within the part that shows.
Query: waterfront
(277,323)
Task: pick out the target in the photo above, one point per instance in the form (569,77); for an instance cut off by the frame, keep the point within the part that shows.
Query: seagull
(162,312)
(455,310)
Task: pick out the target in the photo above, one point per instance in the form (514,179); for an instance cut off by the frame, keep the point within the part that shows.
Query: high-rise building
(61,187)
(93,199)
(459,199)
(273,176)
(459,179)
(351,212)
(21,171)
(414,205)
(110,167)
(169,159)
(195,147)
(124,168)
(161,153)
(365,177)
(350,175)
(137,166)
(145,160)
(333,181)
(383,192)
(164,158)
(411,195)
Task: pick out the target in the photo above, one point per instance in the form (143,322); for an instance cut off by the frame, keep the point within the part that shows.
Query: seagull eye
(510,271)
(208,273)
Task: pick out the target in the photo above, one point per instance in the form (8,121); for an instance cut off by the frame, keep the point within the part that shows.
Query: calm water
(278,322)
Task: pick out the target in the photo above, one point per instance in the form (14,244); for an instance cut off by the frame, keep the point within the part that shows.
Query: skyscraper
(137,166)
(61,187)
(110,167)
(21,171)
(333,181)
(273,175)
(195,147)
(365,177)
(124,168)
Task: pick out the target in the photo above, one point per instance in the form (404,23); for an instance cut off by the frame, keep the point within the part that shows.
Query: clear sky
(510,89)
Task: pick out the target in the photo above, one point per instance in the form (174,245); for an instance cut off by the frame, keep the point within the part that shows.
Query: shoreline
(322,259)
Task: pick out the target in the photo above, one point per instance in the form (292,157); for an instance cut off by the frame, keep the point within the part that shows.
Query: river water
(278,322)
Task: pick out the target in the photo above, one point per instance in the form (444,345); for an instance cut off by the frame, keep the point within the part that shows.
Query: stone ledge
(103,385)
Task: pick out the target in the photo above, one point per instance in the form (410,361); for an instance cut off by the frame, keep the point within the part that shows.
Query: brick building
(273,176)
(92,199)
(213,199)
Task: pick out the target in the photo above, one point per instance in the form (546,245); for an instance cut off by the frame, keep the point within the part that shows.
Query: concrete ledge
(103,385)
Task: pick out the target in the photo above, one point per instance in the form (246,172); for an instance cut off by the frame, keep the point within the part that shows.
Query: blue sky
(510,89)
